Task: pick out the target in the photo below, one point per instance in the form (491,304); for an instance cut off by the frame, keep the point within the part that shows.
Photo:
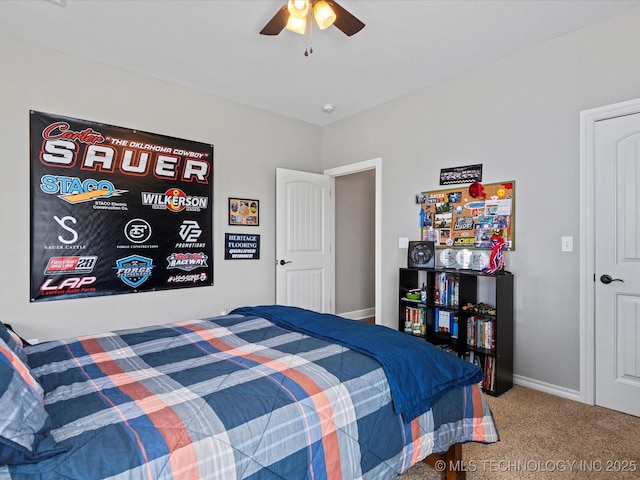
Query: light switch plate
(403,242)
(567,244)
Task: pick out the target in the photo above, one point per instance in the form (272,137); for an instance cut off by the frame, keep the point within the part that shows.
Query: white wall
(248,145)
(520,119)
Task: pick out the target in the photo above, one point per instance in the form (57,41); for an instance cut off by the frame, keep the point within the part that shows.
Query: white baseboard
(547,388)
(359,314)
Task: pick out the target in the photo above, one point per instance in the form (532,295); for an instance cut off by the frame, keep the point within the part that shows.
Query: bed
(266,392)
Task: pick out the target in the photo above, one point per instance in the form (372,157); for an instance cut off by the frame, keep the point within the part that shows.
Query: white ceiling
(214,46)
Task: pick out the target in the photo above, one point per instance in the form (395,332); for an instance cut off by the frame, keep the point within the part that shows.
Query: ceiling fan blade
(277,23)
(345,21)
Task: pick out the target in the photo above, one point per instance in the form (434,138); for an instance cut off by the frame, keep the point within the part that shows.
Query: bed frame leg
(453,460)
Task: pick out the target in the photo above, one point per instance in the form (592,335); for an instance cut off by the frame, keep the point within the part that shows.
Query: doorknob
(606,279)
(282,262)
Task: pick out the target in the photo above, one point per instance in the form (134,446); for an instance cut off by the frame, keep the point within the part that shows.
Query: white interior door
(617,263)
(304,233)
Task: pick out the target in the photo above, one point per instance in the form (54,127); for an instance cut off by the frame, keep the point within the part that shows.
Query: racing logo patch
(187,261)
(73,190)
(70,265)
(174,200)
(137,230)
(134,270)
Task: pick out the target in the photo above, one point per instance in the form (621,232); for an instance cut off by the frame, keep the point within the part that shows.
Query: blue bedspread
(232,398)
(414,389)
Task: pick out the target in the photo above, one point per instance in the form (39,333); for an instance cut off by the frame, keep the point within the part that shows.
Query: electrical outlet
(567,244)
(403,242)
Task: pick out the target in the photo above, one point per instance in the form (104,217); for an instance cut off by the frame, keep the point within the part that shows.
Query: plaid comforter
(232,397)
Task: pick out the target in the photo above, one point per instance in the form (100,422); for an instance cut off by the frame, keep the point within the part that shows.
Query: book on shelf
(481,332)
(414,321)
(447,322)
(454,326)
(444,321)
(487,364)
(447,289)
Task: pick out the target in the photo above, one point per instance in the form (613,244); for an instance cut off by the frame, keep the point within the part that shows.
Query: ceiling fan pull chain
(308,36)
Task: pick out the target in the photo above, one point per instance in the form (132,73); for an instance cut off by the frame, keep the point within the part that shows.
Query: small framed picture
(244,211)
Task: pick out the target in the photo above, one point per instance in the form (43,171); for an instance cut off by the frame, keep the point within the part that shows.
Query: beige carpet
(543,436)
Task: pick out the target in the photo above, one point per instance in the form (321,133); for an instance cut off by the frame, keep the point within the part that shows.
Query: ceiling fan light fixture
(298,8)
(294,15)
(297,25)
(324,14)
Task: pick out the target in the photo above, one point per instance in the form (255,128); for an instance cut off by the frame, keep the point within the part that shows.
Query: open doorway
(357,239)
(355,244)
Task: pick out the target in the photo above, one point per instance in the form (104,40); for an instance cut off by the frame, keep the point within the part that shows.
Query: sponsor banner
(241,246)
(115,210)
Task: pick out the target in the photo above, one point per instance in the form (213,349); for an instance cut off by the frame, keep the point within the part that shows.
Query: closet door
(617,263)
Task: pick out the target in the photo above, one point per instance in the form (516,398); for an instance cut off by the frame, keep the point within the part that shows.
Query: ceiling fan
(296,16)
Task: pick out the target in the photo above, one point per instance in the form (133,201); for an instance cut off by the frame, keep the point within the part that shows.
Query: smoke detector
(328,108)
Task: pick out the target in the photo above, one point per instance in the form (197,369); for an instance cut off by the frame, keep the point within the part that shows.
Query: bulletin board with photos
(454,218)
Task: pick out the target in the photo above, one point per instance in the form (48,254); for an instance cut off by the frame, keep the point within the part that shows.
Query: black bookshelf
(465,312)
